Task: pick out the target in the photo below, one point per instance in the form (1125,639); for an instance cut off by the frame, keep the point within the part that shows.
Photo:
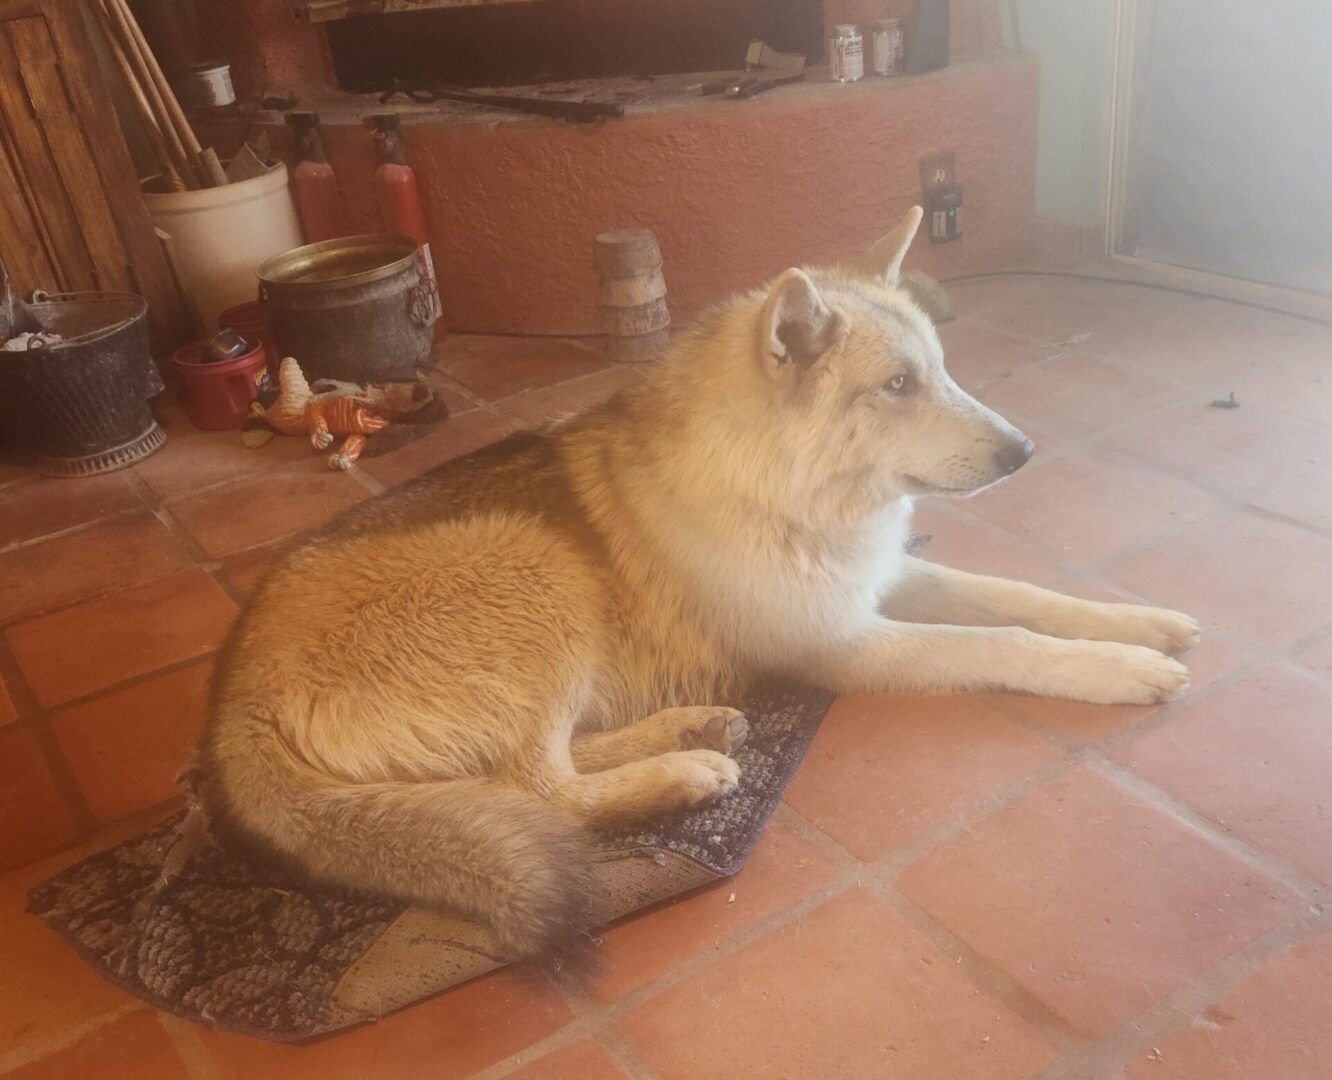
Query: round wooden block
(632,321)
(638,350)
(623,292)
(625,252)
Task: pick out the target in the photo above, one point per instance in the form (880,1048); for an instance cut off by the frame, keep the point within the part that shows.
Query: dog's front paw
(1108,673)
(1169,632)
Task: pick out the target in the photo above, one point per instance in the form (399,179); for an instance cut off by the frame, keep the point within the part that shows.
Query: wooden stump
(633,293)
(636,350)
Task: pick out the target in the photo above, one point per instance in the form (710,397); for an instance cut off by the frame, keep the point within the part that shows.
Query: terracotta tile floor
(968,887)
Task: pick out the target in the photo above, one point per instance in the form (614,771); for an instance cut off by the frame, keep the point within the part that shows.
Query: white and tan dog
(437,694)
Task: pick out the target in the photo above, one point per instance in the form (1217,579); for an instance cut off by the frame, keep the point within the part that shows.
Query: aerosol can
(400,200)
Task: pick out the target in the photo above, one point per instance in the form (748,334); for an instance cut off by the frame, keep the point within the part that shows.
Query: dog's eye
(898,384)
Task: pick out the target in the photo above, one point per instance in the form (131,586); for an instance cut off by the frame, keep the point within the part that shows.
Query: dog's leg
(929,593)
(643,789)
(908,658)
(693,728)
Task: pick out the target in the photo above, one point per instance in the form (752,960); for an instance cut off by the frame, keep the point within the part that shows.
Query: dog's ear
(883,261)
(796,326)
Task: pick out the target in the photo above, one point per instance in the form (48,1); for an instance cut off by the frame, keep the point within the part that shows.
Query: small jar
(846,54)
(888,46)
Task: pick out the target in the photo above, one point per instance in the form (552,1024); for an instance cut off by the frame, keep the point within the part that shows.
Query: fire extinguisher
(400,201)
(315,187)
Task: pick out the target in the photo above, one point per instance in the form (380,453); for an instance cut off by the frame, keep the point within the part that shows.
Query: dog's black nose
(1013,455)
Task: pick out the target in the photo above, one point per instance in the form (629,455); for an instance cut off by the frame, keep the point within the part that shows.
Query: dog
(439,696)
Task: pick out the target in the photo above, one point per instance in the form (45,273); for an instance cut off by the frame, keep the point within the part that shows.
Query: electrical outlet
(941,196)
(936,170)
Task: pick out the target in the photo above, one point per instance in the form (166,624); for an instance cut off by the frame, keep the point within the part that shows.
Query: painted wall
(1072,40)
(735,191)
(270,52)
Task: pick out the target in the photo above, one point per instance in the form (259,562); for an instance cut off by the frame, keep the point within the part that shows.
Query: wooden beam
(330,10)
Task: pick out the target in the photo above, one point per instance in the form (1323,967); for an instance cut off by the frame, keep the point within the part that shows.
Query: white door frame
(1128,63)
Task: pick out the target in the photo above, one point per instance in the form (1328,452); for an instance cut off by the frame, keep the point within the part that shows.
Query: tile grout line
(70,530)
(616,1009)
(198,1059)
(1169,1014)
(852,874)
(1232,502)
(11,1060)
(366,480)
(590,1022)
(35,718)
(985,975)
(7,624)
(625,1053)
(884,870)
(1270,865)
(878,879)
(67,785)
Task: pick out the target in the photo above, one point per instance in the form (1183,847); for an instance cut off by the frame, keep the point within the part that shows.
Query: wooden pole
(157,80)
(175,166)
(185,163)
(212,167)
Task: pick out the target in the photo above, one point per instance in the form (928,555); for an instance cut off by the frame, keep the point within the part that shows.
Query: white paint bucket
(211,84)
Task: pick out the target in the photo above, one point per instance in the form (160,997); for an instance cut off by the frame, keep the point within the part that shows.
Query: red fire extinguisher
(400,201)
(315,187)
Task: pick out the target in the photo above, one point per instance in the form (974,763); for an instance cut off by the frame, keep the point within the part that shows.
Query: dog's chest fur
(780,592)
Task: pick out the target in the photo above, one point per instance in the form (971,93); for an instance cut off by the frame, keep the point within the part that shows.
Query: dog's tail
(490,850)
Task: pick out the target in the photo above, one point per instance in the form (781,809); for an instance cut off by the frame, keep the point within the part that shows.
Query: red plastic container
(217,396)
(251,322)
(400,201)
(313,182)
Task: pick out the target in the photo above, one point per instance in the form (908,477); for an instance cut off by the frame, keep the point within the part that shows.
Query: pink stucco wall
(269,49)
(735,191)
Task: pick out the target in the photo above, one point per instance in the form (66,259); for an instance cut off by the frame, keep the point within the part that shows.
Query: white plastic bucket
(220,236)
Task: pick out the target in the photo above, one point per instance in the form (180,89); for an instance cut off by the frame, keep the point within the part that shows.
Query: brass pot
(357,308)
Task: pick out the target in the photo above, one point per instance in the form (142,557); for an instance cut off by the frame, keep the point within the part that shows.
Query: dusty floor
(974,887)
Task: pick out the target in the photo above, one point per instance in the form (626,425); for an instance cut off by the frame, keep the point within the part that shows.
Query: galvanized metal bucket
(81,405)
(357,308)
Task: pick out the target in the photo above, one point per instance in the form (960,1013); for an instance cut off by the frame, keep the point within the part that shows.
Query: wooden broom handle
(174,113)
(170,153)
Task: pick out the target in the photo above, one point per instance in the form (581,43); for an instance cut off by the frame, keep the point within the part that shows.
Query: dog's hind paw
(705,775)
(713,728)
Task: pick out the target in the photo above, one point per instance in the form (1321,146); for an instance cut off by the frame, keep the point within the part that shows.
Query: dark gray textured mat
(213,936)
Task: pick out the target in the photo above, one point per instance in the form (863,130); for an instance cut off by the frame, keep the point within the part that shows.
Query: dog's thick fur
(433,696)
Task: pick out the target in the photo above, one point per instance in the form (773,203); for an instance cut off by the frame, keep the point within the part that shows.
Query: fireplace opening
(517,44)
